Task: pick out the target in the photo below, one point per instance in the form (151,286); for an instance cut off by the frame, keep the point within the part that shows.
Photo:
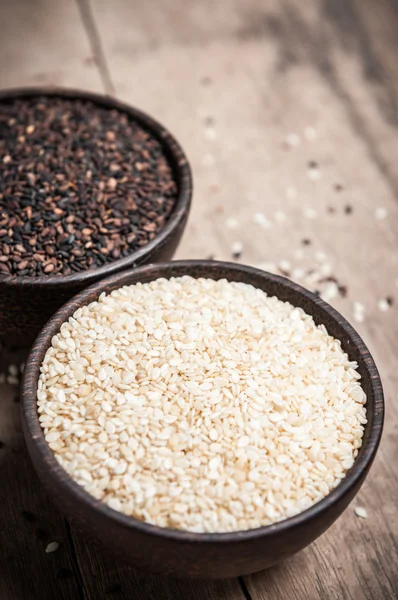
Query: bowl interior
(273,285)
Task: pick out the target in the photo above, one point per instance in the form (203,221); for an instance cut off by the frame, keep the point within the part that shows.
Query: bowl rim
(175,155)
(34,432)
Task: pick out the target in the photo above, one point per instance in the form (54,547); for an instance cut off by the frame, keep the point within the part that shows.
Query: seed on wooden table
(52,547)
(72,174)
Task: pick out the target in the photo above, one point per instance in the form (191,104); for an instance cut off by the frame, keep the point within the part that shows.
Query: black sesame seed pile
(80,186)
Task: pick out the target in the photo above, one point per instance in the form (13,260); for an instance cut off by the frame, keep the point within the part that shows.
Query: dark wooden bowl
(26,303)
(184,554)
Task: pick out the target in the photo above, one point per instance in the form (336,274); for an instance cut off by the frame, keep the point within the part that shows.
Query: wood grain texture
(28,522)
(44,43)
(261,70)
(104,578)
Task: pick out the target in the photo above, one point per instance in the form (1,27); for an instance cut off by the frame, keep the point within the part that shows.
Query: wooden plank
(234,88)
(45,44)
(103,578)
(28,521)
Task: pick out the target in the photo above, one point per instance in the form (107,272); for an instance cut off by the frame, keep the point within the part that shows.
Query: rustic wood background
(257,91)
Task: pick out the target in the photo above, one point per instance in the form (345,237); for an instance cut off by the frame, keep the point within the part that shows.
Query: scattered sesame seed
(306,242)
(381,213)
(13,370)
(280,216)
(338,187)
(260,219)
(285,265)
(320,256)
(310,133)
(325,270)
(214,188)
(232,223)
(210,133)
(185,376)
(361,512)
(293,140)
(206,81)
(358,312)
(298,273)
(237,249)
(313,171)
(52,547)
(291,193)
(383,304)
(330,292)
(309,213)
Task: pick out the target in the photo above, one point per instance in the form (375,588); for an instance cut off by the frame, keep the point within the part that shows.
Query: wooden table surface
(288,113)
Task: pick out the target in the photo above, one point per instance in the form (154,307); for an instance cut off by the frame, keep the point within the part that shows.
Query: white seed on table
(381,213)
(189,404)
(232,223)
(260,219)
(361,512)
(280,216)
(13,370)
(52,547)
(310,133)
(293,140)
(309,213)
(291,193)
(383,305)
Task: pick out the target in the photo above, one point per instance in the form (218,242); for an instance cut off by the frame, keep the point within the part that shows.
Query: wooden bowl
(200,555)
(26,303)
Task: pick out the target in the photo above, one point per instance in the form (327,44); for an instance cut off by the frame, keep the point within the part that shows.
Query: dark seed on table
(76,180)
(348,209)
(41,534)
(64,573)
(306,242)
(28,516)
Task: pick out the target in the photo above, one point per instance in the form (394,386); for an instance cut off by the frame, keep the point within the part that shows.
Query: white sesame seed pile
(200,405)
